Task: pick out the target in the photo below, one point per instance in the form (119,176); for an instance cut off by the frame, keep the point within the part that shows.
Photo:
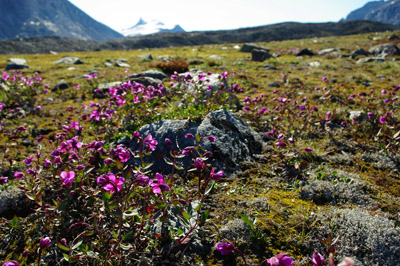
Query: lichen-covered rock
(370,240)
(236,229)
(12,201)
(235,141)
(325,192)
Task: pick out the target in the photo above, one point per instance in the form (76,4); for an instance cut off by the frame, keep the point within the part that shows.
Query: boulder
(147,81)
(213,81)
(13,66)
(358,52)
(18,61)
(259,55)
(328,51)
(236,142)
(370,59)
(61,86)
(121,63)
(150,73)
(305,51)
(69,60)
(248,48)
(12,201)
(393,37)
(386,49)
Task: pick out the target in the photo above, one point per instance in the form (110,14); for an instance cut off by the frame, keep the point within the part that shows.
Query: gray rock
(69,60)
(147,57)
(236,229)
(147,81)
(393,37)
(121,63)
(15,67)
(235,141)
(12,200)
(358,52)
(326,192)
(328,51)
(370,59)
(270,67)
(386,49)
(357,116)
(61,86)
(213,81)
(370,240)
(305,51)
(381,161)
(259,55)
(274,85)
(248,48)
(18,61)
(150,73)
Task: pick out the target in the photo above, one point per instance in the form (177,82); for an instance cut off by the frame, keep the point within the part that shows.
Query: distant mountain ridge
(275,32)
(30,18)
(144,28)
(383,11)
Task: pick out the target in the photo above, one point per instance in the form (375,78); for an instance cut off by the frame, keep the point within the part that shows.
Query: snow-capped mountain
(145,28)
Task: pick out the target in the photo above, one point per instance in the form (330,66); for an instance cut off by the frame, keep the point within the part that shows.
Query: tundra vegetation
(323,189)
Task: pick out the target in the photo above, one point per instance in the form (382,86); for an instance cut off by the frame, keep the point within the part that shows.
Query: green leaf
(247,221)
(185,215)
(204,217)
(168,161)
(198,138)
(77,245)
(128,236)
(61,246)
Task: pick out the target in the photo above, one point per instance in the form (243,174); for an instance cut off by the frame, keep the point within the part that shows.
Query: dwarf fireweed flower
(158,184)
(11,263)
(188,151)
(317,259)
(18,175)
(151,142)
(44,243)
(315,108)
(68,178)
(281,144)
(112,182)
(216,176)
(383,119)
(3,179)
(211,138)
(199,164)
(28,161)
(370,114)
(281,259)
(225,248)
(308,149)
(74,144)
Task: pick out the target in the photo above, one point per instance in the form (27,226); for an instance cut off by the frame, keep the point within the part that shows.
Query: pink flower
(68,178)
(308,149)
(3,179)
(151,142)
(280,260)
(158,184)
(18,175)
(44,243)
(216,176)
(317,259)
(11,263)
(281,144)
(113,183)
(383,119)
(225,248)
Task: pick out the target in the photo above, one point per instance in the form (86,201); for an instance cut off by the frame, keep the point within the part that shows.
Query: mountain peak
(145,28)
(382,11)
(30,18)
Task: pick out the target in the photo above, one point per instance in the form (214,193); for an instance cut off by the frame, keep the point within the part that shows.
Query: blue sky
(193,15)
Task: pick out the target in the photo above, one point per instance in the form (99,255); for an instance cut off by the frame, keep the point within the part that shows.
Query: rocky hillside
(276,32)
(383,11)
(31,18)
